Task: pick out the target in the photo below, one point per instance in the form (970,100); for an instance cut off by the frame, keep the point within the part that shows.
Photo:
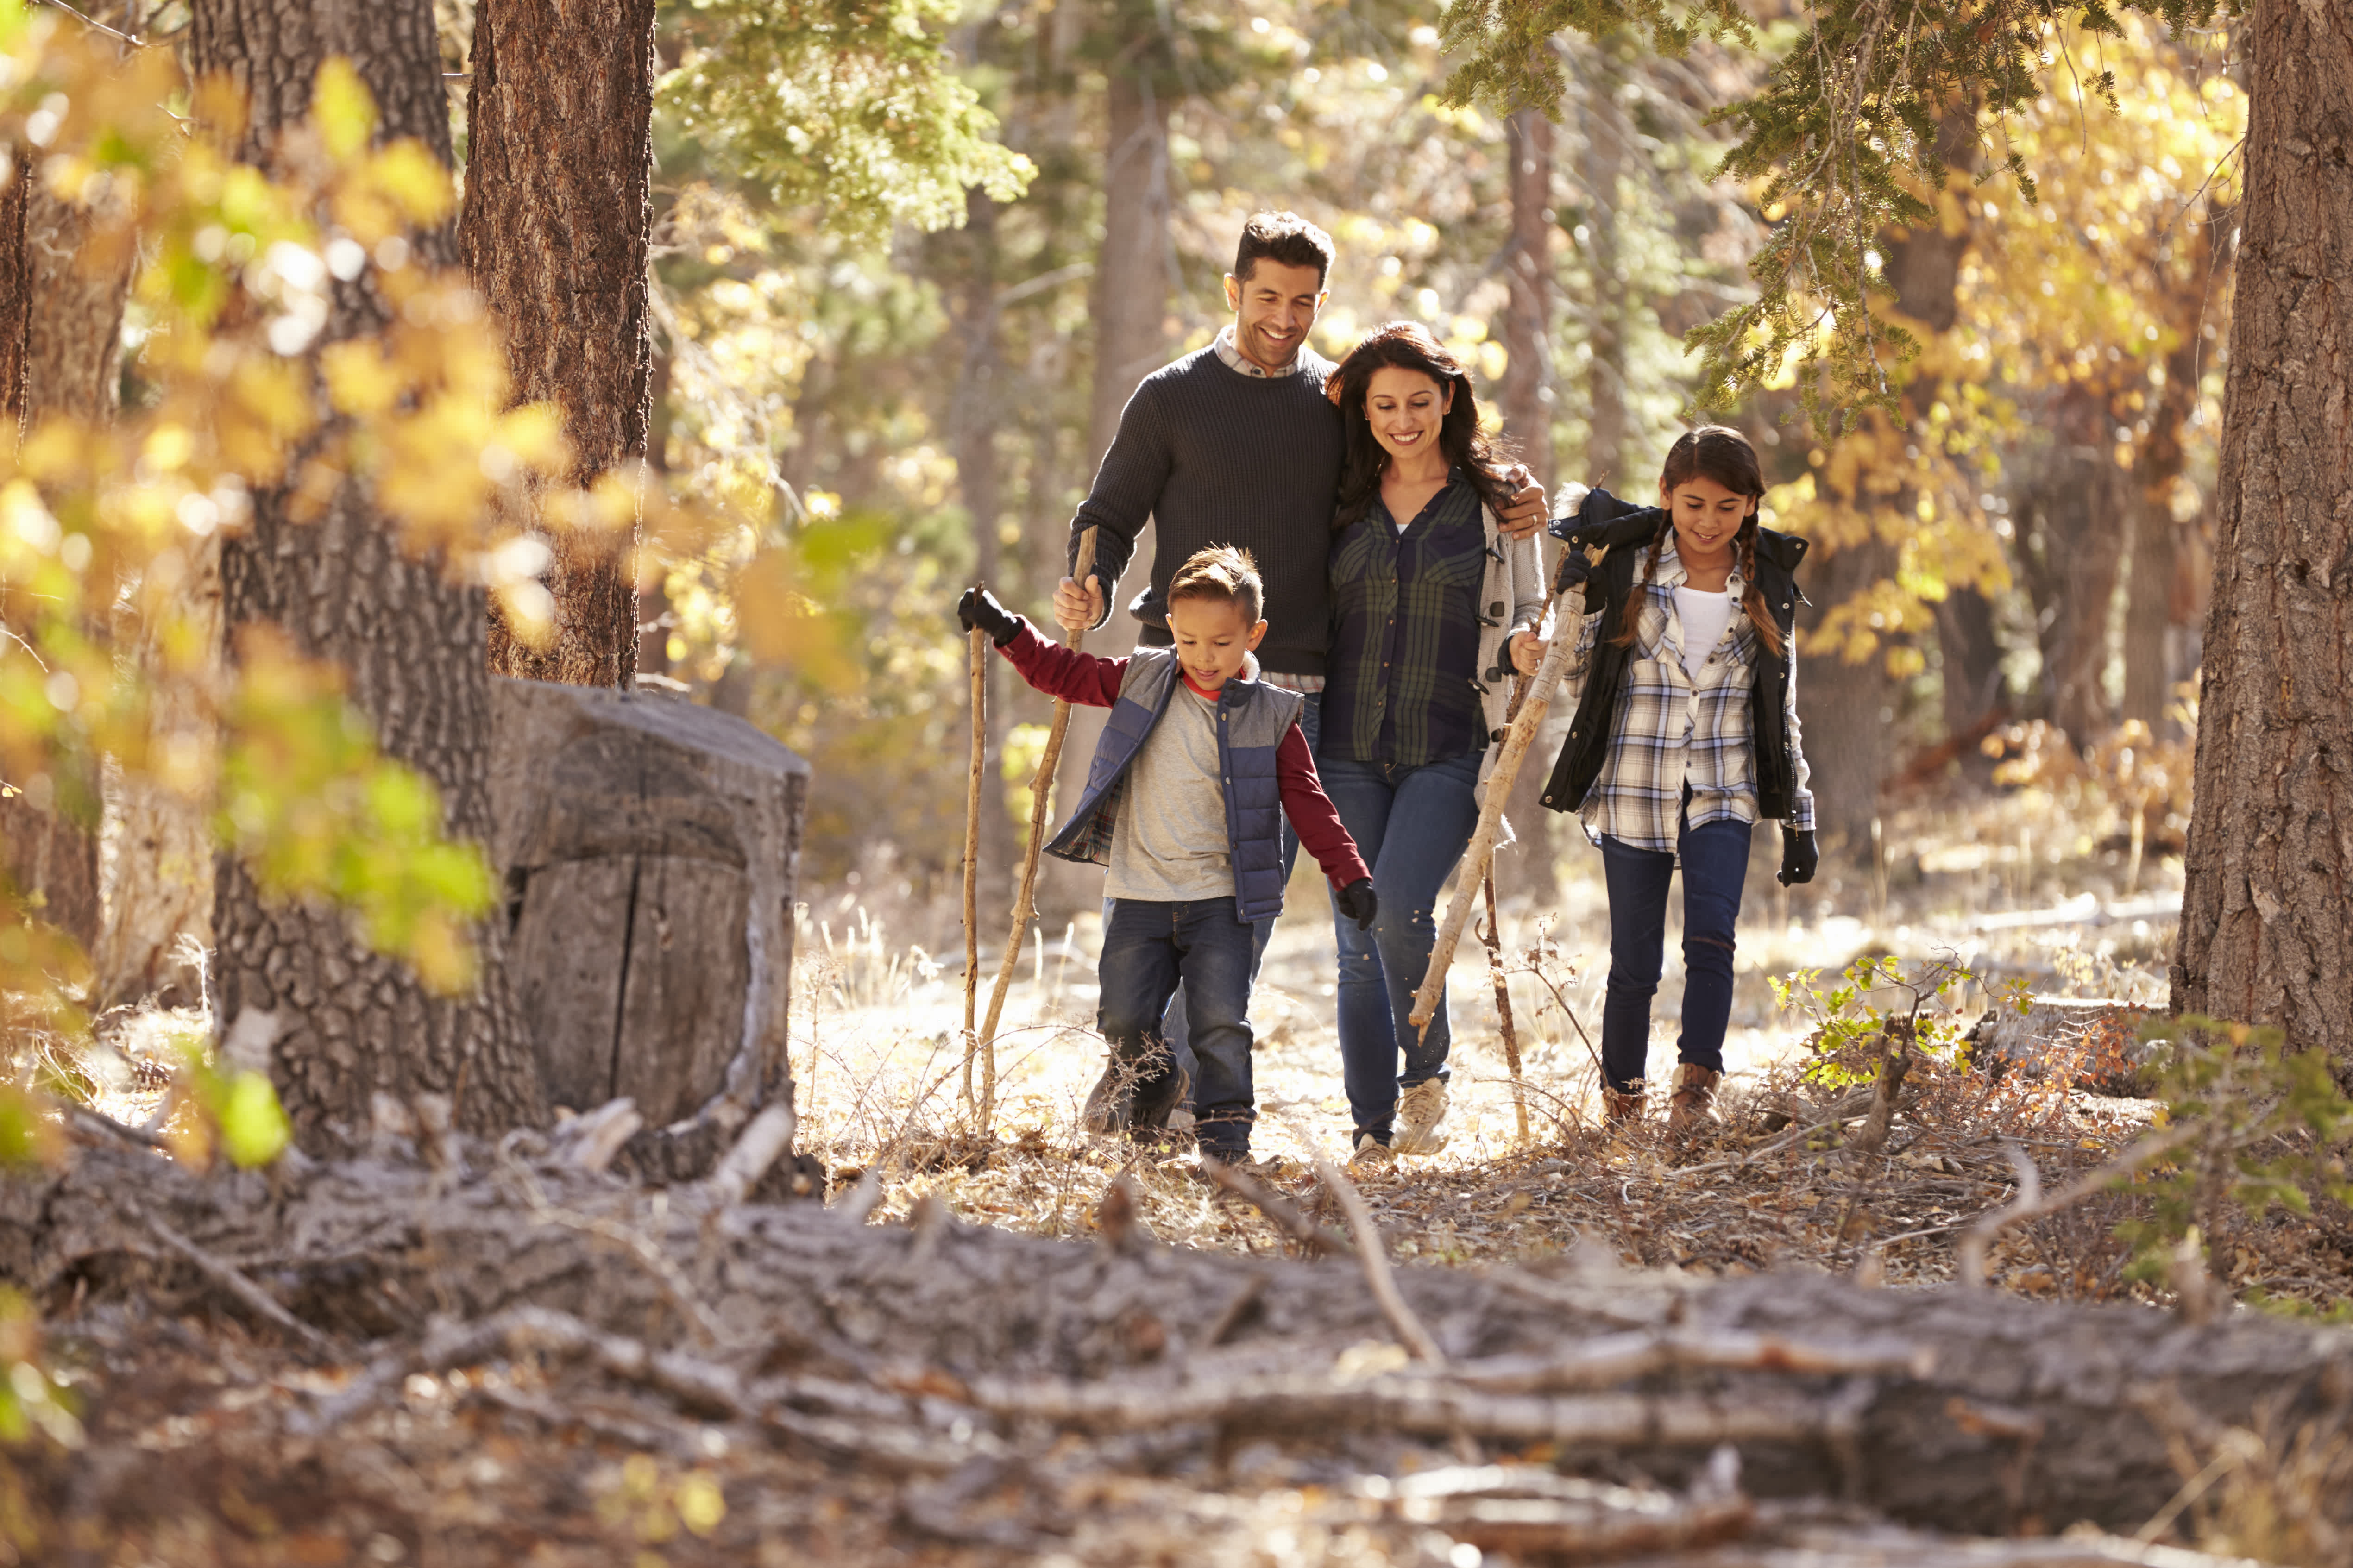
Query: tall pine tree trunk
(2151,617)
(68,273)
(1131,312)
(2079,515)
(2263,931)
(1847,709)
(343,1021)
(1530,868)
(559,173)
(974,414)
(1601,171)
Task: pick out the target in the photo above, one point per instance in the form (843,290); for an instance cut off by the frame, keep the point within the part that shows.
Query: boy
(1184,805)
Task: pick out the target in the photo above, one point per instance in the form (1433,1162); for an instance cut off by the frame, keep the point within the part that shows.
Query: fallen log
(2030,1413)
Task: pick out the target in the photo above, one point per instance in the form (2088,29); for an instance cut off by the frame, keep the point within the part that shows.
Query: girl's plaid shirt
(1671,731)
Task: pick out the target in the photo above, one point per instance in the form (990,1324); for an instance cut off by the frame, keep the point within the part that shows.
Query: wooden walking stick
(1025,907)
(1479,857)
(1494,938)
(972,852)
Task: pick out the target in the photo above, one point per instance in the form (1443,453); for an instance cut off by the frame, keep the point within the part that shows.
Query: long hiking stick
(1025,907)
(972,853)
(1478,857)
(1494,938)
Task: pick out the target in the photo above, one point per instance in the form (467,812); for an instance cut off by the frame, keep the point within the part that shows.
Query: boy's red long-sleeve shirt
(1094,681)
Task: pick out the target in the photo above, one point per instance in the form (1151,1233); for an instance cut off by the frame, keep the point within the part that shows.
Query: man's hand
(1524,512)
(1078,610)
(1356,902)
(1527,652)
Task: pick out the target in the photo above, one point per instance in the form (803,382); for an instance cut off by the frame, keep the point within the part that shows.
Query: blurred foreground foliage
(110,529)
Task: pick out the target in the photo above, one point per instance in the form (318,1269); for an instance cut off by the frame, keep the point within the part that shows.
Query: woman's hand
(1527,652)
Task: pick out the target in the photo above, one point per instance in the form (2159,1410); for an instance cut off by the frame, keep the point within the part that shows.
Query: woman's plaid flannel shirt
(1671,731)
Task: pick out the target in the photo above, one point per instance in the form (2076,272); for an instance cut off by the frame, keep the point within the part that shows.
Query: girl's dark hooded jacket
(1627,530)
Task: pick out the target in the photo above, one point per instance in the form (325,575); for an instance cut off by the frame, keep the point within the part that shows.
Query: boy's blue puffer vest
(1252,719)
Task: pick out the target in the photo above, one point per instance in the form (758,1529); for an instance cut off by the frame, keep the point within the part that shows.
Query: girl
(1426,594)
(1685,734)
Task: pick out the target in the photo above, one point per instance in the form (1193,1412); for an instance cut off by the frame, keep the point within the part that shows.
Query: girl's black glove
(1356,902)
(978,610)
(1798,858)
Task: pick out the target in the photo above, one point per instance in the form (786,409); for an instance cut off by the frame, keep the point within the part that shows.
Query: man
(1235,445)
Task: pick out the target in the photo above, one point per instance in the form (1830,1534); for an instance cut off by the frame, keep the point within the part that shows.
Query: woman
(1428,594)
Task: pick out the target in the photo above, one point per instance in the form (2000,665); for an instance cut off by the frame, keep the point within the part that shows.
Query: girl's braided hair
(1720,453)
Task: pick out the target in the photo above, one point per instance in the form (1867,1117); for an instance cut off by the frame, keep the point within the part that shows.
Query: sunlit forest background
(2015,605)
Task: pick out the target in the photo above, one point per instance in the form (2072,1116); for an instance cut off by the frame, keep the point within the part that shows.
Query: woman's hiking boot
(1692,1109)
(1419,1110)
(1621,1107)
(1371,1155)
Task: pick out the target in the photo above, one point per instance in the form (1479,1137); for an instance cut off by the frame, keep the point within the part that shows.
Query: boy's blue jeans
(1148,948)
(1714,865)
(1411,825)
(1177,1026)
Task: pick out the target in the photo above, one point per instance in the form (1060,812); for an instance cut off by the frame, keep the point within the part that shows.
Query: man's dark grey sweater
(1216,456)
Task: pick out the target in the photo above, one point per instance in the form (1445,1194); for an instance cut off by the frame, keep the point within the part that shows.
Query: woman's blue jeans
(1715,865)
(1411,825)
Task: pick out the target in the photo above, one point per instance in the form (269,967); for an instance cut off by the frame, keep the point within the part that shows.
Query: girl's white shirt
(1705,617)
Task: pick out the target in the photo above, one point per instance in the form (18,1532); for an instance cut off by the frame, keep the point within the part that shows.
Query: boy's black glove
(1356,902)
(978,610)
(1798,858)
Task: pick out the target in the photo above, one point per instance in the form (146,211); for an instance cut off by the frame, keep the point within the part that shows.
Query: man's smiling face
(1273,308)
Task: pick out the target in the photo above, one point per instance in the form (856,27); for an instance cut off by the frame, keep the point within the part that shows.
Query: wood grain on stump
(651,849)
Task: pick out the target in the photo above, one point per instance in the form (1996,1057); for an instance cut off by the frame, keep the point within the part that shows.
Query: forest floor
(496,1463)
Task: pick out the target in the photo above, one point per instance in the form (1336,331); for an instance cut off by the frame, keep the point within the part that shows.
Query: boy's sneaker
(1118,1103)
(1419,1110)
(1371,1155)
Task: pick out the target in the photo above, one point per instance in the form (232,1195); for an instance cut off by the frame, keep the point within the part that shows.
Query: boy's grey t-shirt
(1170,842)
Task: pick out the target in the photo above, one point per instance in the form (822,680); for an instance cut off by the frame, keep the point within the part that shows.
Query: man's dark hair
(1285,237)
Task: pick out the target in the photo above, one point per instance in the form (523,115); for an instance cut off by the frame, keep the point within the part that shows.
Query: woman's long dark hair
(1720,453)
(1408,345)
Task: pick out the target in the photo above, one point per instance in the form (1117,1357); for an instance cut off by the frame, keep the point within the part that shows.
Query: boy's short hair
(1288,238)
(1223,572)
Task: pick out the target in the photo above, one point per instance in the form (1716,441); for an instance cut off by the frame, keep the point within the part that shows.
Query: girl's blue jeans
(1411,825)
(1715,863)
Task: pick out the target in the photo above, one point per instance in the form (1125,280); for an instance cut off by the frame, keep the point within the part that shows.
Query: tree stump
(651,849)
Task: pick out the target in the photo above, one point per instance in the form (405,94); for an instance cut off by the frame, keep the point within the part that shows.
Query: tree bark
(1605,384)
(71,272)
(1131,312)
(1925,265)
(344,1021)
(1845,710)
(2264,934)
(2077,520)
(2151,669)
(555,230)
(2023,1419)
(1971,660)
(1131,287)
(974,414)
(1529,867)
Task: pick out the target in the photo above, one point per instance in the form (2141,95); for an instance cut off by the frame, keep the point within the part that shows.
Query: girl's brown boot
(1691,1109)
(1621,1106)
